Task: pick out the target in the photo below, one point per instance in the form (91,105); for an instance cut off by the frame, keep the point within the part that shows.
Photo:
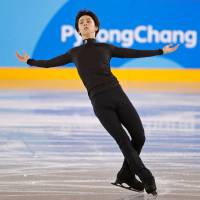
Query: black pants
(113,108)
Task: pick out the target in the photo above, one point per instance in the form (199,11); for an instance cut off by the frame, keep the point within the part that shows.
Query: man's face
(86,25)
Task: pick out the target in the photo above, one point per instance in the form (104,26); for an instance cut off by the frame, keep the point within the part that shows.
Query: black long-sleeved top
(92,60)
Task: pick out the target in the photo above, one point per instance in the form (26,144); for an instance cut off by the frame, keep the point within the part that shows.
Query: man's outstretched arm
(134,53)
(54,62)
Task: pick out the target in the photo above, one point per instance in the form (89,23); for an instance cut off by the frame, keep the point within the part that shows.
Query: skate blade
(154,193)
(153,196)
(127,188)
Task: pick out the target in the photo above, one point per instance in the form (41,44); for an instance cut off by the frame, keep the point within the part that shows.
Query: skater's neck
(89,40)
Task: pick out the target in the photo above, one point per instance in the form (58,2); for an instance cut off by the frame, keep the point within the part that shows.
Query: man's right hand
(22,58)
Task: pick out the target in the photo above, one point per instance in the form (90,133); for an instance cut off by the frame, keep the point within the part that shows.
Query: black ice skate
(149,183)
(132,183)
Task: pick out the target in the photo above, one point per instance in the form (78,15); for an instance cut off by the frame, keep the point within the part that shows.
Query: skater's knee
(138,142)
(142,140)
(140,136)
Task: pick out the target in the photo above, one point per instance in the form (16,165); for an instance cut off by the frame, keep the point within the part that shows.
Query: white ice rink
(52,147)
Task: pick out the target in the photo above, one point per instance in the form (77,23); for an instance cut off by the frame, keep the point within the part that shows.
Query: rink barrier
(184,80)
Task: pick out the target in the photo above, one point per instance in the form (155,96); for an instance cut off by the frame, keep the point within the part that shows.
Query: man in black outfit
(110,104)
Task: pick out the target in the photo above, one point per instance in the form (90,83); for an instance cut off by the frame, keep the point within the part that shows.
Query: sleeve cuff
(161,51)
(29,61)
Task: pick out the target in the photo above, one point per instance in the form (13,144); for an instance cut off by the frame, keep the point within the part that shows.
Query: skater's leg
(130,119)
(105,106)
(132,122)
(110,120)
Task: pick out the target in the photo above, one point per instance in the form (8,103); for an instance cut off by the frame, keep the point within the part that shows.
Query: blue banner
(139,24)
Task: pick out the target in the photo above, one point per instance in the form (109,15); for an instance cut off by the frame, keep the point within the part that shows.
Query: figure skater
(110,103)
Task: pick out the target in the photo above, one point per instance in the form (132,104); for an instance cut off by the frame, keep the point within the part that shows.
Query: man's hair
(91,14)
